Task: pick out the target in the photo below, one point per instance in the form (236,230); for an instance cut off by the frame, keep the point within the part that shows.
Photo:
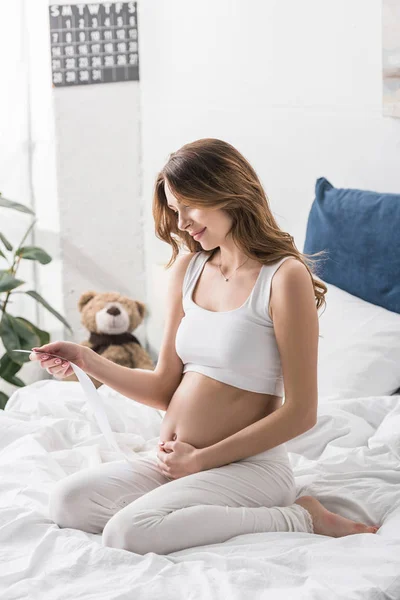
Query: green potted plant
(17,333)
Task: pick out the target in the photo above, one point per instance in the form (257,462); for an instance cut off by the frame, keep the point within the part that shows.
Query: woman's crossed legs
(138,509)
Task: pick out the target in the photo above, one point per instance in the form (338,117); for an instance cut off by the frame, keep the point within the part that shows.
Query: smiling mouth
(199,232)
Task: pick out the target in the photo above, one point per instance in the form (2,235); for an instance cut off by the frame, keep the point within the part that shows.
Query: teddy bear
(110,318)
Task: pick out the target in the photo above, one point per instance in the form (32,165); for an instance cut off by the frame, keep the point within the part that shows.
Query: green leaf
(34,253)
(9,282)
(17,381)
(7,333)
(18,333)
(15,205)
(39,298)
(3,255)
(44,337)
(8,369)
(3,400)
(26,233)
(29,336)
(5,241)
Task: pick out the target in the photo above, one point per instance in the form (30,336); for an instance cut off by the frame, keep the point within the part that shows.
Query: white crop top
(237,347)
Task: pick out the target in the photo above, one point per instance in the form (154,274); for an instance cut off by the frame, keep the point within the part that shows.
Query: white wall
(97,132)
(98,174)
(17,149)
(73,155)
(295,86)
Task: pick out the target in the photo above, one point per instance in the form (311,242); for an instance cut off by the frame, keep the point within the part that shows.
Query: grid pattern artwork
(94,43)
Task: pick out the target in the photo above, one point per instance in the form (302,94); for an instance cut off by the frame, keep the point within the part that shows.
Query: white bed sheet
(349,461)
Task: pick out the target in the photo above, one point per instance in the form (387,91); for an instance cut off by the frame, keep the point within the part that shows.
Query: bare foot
(328,523)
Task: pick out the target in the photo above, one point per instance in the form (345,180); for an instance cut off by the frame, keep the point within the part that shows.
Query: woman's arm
(142,385)
(154,388)
(275,429)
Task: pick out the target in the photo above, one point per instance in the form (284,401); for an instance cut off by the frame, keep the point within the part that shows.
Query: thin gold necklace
(228,278)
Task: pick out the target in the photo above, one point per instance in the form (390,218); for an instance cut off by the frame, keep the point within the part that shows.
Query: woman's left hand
(178,459)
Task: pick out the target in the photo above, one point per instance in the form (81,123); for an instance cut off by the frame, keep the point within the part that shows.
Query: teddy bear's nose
(113,310)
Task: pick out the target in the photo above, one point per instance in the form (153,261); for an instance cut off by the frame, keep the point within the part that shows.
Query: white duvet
(350,461)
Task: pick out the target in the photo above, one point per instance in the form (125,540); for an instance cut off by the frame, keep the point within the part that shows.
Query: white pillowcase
(359,353)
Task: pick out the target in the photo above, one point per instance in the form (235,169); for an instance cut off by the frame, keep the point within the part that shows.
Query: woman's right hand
(67,350)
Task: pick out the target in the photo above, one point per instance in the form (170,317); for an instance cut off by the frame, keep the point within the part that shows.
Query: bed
(350,460)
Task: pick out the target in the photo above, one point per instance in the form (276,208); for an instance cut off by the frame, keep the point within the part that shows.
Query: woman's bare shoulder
(179,267)
(289,276)
(291,270)
(183,260)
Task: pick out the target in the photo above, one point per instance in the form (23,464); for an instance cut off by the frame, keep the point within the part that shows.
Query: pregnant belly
(204,411)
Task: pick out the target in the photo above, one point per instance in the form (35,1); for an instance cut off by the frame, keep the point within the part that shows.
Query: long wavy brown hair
(212,173)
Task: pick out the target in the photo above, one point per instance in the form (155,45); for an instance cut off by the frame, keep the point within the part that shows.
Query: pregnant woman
(241,334)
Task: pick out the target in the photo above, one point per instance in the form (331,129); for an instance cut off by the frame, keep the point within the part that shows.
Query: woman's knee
(114,534)
(137,532)
(66,503)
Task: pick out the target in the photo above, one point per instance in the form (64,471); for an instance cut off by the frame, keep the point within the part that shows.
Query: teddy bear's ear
(84,299)
(141,308)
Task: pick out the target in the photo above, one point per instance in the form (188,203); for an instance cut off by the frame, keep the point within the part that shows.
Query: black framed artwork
(94,43)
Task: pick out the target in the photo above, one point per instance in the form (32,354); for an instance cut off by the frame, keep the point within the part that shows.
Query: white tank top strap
(260,301)
(193,268)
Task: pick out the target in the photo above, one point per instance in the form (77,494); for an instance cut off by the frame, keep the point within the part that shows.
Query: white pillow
(359,353)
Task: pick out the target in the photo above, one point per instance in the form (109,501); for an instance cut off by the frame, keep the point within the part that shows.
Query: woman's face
(216,221)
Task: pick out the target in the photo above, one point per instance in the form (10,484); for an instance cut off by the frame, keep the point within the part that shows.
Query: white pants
(139,509)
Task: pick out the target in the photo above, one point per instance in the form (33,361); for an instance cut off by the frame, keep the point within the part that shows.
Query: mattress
(350,461)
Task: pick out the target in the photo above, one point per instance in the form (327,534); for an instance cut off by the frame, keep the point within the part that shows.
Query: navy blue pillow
(360,231)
